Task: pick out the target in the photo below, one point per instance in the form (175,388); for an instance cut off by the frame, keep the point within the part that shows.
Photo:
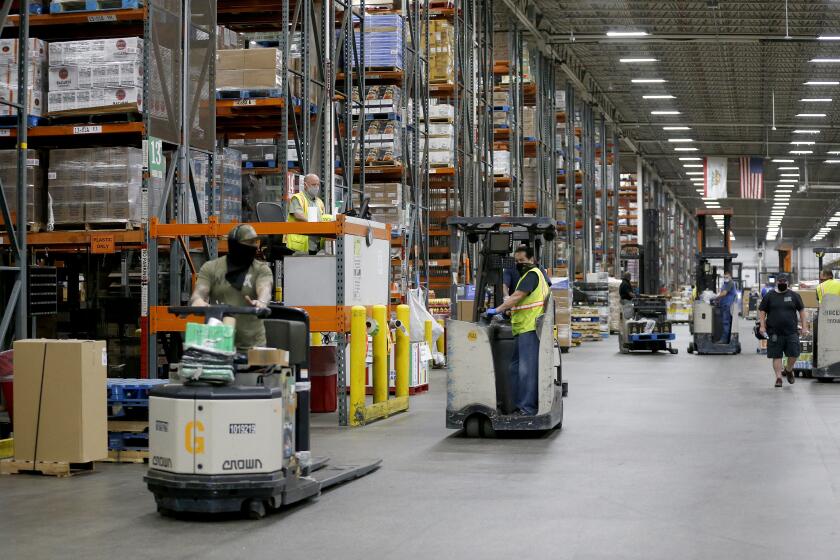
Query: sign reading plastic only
(156,161)
(102,243)
(87,129)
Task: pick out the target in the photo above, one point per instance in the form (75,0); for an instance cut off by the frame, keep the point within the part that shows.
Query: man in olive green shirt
(237,279)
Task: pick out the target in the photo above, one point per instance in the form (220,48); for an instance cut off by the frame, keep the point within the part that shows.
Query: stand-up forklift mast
(706,276)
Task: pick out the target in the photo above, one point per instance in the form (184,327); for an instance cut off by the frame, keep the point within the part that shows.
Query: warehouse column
(605,220)
(640,198)
(616,186)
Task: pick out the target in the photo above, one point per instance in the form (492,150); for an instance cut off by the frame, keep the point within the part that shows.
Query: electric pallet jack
(242,447)
(645,326)
(707,325)
(479,396)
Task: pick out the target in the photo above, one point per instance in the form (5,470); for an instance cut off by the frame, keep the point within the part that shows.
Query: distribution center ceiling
(726,67)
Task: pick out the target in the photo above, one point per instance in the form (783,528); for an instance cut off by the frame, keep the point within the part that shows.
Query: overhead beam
(729,124)
(572,38)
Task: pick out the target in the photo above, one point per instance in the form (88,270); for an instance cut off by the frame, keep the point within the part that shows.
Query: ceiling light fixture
(694,172)
(627,33)
(680,140)
(832,161)
(635,60)
(816,100)
(788,174)
(693,165)
(685,149)
(803,143)
(806,131)
(801,152)
(676,128)
(648,81)
(669,112)
(788,167)
(691,159)
(822,83)
(782,161)
(825,60)
(811,115)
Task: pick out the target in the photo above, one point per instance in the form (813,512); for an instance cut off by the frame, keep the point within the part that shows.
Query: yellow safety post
(441,341)
(403,352)
(380,354)
(358,342)
(316,339)
(427,332)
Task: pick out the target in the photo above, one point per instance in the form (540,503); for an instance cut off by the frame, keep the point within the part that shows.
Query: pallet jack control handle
(219,311)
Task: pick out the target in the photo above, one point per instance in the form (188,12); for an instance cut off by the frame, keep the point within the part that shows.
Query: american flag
(752,177)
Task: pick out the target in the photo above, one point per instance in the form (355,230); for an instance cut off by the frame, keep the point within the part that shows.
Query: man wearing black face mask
(526,304)
(777,315)
(237,279)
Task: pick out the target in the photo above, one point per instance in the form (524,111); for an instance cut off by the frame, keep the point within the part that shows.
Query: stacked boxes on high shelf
(561,293)
(246,69)
(91,185)
(441,51)
(128,418)
(383,41)
(383,140)
(34,185)
(228,188)
(386,203)
(35,89)
(105,74)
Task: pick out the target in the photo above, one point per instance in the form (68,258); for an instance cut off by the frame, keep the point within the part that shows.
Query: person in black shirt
(777,314)
(625,291)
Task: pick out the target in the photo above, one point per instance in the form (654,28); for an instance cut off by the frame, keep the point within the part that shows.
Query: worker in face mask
(728,294)
(526,304)
(239,279)
(306,206)
(777,314)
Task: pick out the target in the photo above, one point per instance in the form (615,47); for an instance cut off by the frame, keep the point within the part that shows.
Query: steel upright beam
(605,220)
(616,186)
(569,165)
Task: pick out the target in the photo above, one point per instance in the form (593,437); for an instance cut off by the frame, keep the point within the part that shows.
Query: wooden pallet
(46,468)
(132,426)
(94,226)
(125,456)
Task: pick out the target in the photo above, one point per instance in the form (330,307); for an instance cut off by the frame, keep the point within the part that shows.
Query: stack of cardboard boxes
(34,184)
(386,203)
(95,184)
(441,51)
(530,179)
(441,145)
(248,69)
(501,163)
(561,293)
(383,140)
(60,401)
(379,99)
(383,41)
(96,74)
(37,62)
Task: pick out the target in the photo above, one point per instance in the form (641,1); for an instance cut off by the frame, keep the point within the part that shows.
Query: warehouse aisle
(660,457)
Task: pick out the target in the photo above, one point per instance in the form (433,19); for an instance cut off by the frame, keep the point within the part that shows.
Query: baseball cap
(783,276)
(245,234)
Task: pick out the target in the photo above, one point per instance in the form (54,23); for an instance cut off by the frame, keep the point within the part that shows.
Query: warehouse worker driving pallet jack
(480,385)
(231,434)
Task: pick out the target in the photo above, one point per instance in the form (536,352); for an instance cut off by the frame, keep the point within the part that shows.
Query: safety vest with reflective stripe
(295,241)
(829,287)
(524,315)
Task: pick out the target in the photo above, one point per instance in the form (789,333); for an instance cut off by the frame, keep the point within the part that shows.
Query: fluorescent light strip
(783,161)
(801,152)
(806,131)
(647,81)
(676,128)
(691,159)
(822,83)
(825,60)
(635,60)
(786,168)
(803,143)
(834,153)
(680,140)
(658,97)
(685,149)
(664,112)
(811,115)
(832,161)
(693,165)
(694,173)
(816,100)
(789,174)
(627,33)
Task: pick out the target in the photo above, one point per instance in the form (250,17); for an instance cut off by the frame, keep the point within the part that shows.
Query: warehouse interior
(419,277)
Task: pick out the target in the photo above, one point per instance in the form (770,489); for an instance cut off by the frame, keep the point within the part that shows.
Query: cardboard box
(231,59)
(257,59)
(37,51)
(60,400)
(809,298)
(268,357)
(261,78)
(229,79)
(465,309)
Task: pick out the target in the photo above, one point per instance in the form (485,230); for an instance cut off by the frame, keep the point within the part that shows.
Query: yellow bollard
(427,332)
(403,352)
(316,339)
(358,342)
(380,354)
(441,341)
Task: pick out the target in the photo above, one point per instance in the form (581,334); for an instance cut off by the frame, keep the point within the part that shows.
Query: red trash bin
(323,374)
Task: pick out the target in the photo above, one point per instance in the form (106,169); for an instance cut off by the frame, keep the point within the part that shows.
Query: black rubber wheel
(738,348)
(674,351)
(487,429)
(825,379)
(255,509)
(691,348)
(564,389)
(564,350)
(472,427)
(165,512)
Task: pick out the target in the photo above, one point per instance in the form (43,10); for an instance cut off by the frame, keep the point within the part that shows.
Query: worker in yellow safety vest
(828,285)
(306,206)
(526,304)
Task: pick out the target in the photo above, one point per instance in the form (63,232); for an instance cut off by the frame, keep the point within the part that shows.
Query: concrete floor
(660,457)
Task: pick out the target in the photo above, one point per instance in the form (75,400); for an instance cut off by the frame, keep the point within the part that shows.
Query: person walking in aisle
(777,315)
(526,304)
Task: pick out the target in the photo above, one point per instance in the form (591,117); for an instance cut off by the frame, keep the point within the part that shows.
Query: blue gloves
(491,311)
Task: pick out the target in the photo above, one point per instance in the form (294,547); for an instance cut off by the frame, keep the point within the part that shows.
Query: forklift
(217,447)
(825,359)
(479,349)
(707,325)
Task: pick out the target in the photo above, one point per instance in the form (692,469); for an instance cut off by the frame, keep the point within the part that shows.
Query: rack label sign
(156,162)
(5,132)
(244,102)
(102,243)
(97,19)
(87,129)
